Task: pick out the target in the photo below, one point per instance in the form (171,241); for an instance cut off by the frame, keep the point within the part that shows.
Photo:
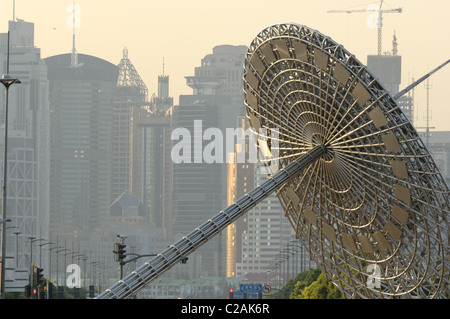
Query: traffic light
(39,276)
(50,290)
(231,293)
(91,291)
(119,250)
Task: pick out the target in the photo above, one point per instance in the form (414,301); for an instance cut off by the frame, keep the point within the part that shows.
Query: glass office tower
(81,107)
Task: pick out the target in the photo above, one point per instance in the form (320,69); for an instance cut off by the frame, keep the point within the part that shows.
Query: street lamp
(7,81)
(2,221)
(40,251)
(50,262)
(32,240)
(17,233)
(57,268)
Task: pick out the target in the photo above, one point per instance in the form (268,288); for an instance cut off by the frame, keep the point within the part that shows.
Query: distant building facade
(439,146)
(224,63)
(200,188)
(240,180)
(388,69)
(28,153)
(267,232)
(131,97)
(155,173)
(81,107)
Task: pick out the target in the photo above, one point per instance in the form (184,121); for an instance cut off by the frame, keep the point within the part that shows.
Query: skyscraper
(225,63)
(81,107)
(200,187)
(240,180)
(153,169)
(131,98)
(28,179)
(388,69)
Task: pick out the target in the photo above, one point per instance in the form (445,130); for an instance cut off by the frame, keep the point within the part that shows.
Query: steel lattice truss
(374,210)
(129,76)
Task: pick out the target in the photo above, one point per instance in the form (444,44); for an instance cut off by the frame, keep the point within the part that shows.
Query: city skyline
(154,32)
(88,107)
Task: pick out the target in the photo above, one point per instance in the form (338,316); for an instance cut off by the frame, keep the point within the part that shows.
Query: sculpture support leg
(162,262)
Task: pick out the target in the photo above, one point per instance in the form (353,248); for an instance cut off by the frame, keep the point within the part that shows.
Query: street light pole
(17,243)
(17,233)
(32,240)
(57,267)
(7,81)
(50,262)
(40,252)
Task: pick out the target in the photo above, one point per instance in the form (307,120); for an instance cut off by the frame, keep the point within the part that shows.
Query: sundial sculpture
(357,183)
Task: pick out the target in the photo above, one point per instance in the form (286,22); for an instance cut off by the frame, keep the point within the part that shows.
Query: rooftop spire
(74,54)
(129,76)
(394,45)
(163,67)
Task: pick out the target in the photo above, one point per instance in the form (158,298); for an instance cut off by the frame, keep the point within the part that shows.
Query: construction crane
(379,19)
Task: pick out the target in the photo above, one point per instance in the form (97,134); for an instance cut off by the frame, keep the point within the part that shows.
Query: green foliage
(15,295)
(304,280)
(319,289)
(310,284)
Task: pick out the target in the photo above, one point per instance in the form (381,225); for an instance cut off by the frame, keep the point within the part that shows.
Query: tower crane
(380,19)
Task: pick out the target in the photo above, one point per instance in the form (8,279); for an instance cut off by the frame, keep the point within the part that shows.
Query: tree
(318,289)
(302,281)
(310,284)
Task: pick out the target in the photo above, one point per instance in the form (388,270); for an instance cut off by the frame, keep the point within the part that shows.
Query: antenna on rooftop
(163,67)
(74,54)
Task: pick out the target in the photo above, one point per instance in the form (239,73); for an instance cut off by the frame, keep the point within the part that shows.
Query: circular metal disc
(373,211)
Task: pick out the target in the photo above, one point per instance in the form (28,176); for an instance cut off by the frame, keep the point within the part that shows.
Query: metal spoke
(377,196)
(356,182)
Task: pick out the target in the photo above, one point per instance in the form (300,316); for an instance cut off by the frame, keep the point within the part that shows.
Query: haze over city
(131,135)
(182,32)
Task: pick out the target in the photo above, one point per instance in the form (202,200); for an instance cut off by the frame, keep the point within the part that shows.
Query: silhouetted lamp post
(7,81)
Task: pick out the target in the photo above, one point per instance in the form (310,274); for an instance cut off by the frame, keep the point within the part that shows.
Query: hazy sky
(183,32)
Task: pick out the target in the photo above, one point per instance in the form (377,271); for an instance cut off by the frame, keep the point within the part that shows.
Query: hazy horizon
(183,32)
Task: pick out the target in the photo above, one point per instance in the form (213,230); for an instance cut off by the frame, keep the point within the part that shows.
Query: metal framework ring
(373,211)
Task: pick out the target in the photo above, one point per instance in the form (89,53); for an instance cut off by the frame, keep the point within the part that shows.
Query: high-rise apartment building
(268,231)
